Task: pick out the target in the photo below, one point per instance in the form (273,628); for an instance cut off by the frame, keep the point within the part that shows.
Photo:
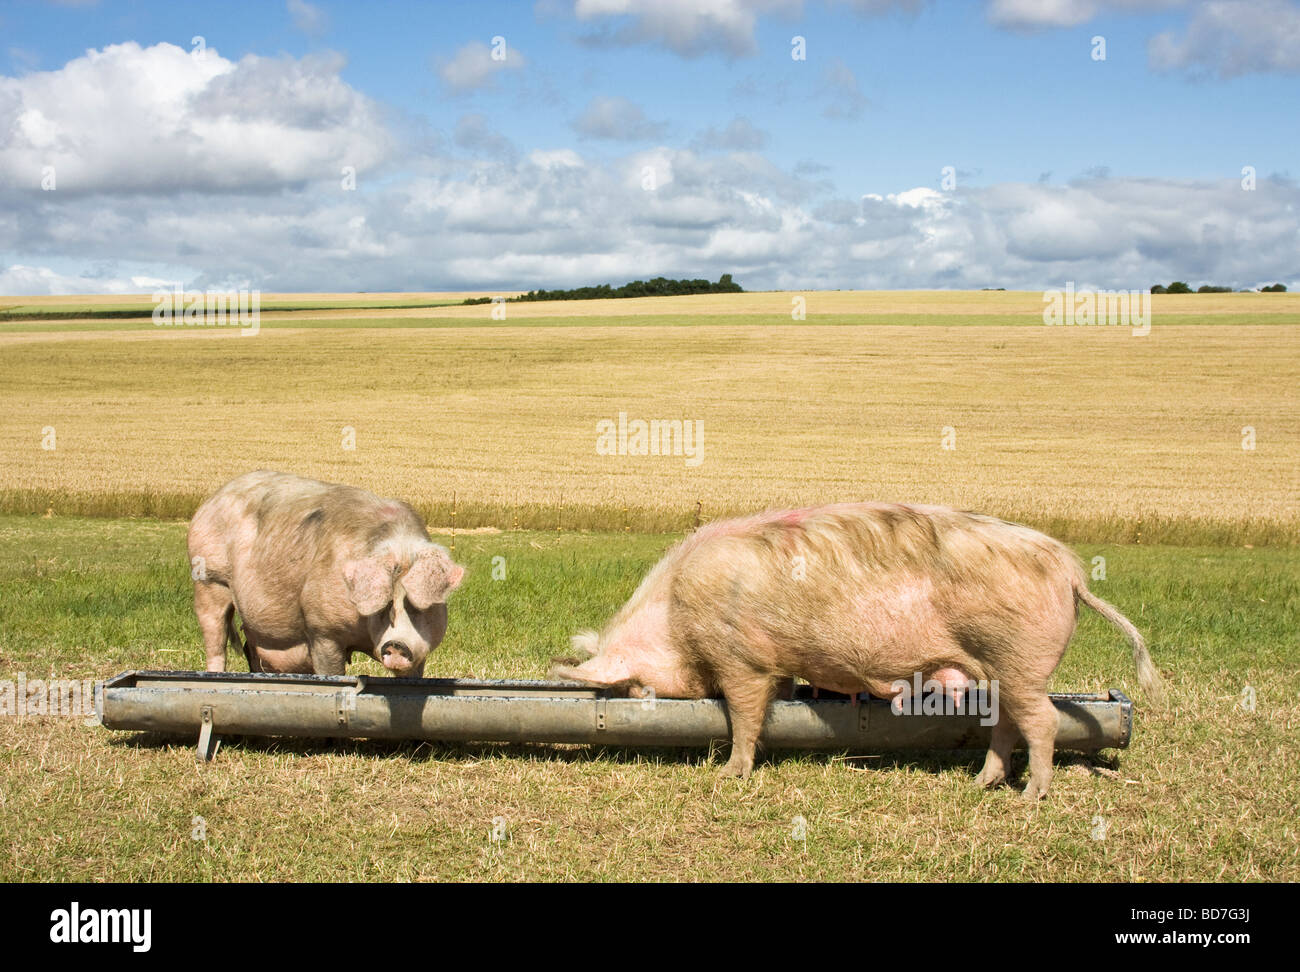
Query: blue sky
(758,157)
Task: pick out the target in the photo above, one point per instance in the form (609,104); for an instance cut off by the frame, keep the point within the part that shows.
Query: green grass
(1205,792)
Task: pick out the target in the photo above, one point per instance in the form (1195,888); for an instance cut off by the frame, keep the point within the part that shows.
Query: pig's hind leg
(1024,708)
(1023,676)
(1037,720)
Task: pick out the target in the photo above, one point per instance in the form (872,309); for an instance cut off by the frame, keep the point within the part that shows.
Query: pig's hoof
(734,769)
(987,780)
(1033,792)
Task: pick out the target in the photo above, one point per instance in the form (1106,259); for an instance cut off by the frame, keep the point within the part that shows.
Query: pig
(317,572)
(856,597)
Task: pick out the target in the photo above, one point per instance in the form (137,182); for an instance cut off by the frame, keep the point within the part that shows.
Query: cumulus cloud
(553,218)
(162,119)
(1229,38)
(617,118)
(209,172)
(474,67)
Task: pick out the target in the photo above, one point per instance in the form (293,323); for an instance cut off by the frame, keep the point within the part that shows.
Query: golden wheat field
(1188,434)
(959,306)
(144,302)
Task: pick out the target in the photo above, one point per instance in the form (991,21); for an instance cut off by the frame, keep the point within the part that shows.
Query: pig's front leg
(328,657)
(998,759)
(748,694)
(213,605)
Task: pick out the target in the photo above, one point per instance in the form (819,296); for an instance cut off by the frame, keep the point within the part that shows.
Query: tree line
(1179,287)
(658,287)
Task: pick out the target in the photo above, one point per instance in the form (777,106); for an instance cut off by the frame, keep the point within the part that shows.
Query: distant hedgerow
(658,287)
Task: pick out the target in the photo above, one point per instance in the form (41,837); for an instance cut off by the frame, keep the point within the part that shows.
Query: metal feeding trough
(505,711)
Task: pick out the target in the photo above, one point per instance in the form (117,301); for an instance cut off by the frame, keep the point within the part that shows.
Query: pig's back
(880,540)
(864,586)
(275,528)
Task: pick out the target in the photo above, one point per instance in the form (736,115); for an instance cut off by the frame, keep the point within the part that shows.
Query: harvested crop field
(1190,433)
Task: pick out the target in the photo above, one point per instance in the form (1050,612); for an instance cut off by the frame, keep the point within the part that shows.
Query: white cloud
(1225,37)
(555,159)
(309,19)
(20,279)
(473,67)
(1040,13)
(215,171)
(162,120)
(617,118)
(551,218)
(874,8)
(686,27)
(1036,14)
(692,28)
(1229,38)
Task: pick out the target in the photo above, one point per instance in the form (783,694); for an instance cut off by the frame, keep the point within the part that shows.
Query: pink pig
(856,597)
(317,572)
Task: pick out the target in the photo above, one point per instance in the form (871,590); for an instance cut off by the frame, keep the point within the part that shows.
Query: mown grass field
(1207,790)
(1129,447)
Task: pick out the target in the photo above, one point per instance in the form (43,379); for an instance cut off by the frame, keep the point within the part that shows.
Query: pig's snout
(396,656)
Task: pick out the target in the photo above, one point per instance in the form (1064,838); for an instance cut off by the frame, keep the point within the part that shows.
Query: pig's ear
(565,669)
(585,642)
(369,583)
(603,670)
(431,578)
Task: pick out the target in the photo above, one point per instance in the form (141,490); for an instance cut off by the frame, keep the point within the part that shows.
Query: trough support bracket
(600,715)
(344,702)
(209,742)
(1125,716)
(864,716)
